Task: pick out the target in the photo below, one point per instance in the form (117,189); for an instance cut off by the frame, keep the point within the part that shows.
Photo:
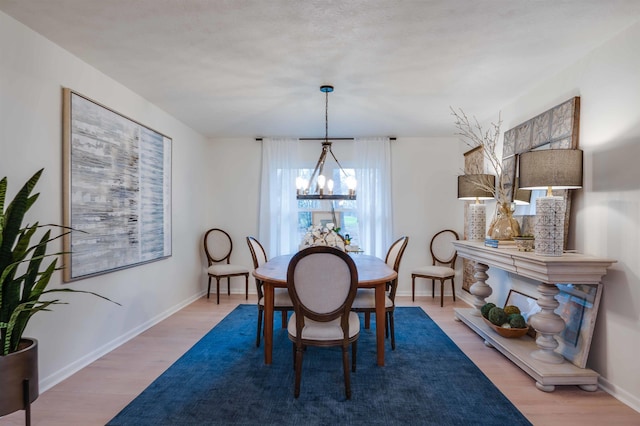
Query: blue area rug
(222,380)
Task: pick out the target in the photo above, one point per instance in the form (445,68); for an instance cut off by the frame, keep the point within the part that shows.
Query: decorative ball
(497,316)
(517,321)
(486,308)
(511,309)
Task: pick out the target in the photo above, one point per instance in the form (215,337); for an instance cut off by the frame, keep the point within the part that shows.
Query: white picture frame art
(116,190)
(323,218)
(578,307)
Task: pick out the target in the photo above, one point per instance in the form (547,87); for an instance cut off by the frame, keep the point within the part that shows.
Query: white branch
(474,136)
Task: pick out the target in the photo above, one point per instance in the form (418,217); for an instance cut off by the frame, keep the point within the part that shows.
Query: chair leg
(217,290)
(345,366)
(441,293)
(259,327)
(367,320)
(453,289)
(413,288)
(354,355)
(386,326)
(433,289)
(296,392)
(209,287)
(293,345)
(228,286)
(393,332)
(284,319)
(246,287)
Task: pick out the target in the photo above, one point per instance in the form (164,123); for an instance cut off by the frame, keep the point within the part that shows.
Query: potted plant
(23,288)
(525,242)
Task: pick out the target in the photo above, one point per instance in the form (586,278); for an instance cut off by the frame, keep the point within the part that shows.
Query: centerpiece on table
(503,226)
(323,235)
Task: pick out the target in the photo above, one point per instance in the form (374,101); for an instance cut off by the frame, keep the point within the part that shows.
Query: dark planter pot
(19,378)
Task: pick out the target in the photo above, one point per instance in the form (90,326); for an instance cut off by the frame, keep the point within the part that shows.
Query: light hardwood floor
(97,393)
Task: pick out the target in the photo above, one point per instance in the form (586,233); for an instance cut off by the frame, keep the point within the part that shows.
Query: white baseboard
(619,394)
(57,377)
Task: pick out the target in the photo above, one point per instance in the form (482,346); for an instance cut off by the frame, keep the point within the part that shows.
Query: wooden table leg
(380,320)
(268,321)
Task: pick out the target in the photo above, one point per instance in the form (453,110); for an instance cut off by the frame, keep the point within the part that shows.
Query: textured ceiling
(247,68)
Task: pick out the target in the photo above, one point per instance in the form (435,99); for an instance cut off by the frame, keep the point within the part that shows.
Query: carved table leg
(480,289)
(547,323)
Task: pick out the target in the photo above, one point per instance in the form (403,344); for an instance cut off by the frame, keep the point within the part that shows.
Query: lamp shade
(476,187)
(551,168)
(521,196)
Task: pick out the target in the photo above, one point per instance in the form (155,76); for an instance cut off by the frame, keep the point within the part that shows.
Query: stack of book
(490,242)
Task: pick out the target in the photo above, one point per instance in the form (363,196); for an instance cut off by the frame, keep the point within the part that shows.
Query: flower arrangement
(318,235)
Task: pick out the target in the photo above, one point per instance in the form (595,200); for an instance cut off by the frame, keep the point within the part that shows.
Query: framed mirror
(556,128)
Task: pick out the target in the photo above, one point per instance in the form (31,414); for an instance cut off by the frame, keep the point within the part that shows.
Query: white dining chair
(322,282)
(442,268)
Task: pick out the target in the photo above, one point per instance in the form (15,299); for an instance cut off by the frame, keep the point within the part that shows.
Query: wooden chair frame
(261,253)
(392,287)
(226,258)
(342,312)
(438,260)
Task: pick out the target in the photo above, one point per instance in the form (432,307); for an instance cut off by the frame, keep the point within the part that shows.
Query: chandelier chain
(326,116)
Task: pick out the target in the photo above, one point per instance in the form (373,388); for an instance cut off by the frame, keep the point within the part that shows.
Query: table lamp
(476,187)
(550,169)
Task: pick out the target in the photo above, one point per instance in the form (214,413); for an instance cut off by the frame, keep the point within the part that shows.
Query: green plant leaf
(21,295)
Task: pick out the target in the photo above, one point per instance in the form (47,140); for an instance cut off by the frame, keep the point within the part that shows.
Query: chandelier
(323,187)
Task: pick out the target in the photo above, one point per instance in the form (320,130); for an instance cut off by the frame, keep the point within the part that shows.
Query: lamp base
(476,222)
(549,226)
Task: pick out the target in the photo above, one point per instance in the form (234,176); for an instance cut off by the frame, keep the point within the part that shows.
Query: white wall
(32,74)
(606,212)
(425,187)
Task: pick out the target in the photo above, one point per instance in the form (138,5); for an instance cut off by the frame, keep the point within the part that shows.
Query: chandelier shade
(318,186)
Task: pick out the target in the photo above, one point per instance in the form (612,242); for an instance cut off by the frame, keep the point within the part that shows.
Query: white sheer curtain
(278,215)
(373,172)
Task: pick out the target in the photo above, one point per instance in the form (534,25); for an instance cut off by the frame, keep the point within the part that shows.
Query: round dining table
(372,273)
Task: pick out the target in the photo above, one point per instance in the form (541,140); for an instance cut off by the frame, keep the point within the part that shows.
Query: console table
(537,358)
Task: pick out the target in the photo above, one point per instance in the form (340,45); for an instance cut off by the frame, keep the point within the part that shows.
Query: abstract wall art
(117,190)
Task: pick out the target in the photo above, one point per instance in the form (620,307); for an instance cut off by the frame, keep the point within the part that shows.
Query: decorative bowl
(524,243)
(506,332)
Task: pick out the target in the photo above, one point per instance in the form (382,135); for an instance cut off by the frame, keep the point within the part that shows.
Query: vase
(504,226)
(18,376)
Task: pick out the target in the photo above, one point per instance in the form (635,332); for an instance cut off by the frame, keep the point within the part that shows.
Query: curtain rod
(321,139)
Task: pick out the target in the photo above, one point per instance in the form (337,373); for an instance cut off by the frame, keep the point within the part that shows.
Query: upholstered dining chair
(442,268)
(281,300)
(218,247)
(322,282)
(365,300)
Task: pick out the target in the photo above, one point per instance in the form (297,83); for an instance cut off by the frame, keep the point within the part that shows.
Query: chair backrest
(394,256)
(258,254)
(395,252)
(217,246)
(322,282)
(442,250)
